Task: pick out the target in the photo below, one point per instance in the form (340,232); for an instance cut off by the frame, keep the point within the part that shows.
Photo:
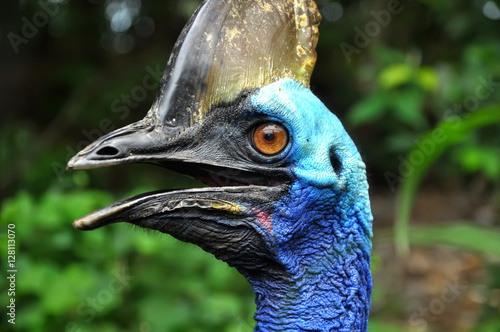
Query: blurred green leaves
(482,240)
(193,292)
(452,132)
(399,92)
(474,159)
(394,76)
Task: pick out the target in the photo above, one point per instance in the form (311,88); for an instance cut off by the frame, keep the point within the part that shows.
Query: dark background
(71,71)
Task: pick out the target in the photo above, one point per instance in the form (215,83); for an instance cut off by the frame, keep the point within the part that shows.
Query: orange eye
(270,138)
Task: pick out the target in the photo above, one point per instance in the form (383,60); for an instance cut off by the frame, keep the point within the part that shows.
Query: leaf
(376,325)
(428,79)
(460,234)
(432,145)
(396,75)
(482,240)
(408,105)
(368,110)
(81,179)
(400,141)
(480,159)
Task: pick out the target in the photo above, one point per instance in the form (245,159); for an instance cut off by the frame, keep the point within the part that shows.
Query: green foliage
(485,241)
(399,93)
(379,326)
(474,158)
(437,141)
(57,288)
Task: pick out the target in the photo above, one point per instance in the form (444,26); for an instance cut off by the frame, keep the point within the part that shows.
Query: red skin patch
(264,219)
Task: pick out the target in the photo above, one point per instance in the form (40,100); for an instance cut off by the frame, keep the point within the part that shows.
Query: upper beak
(135,142)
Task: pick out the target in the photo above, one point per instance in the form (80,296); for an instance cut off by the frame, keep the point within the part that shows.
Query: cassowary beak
(230,219)
(227,50)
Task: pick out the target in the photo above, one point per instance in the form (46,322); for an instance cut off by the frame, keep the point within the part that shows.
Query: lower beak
(233,223)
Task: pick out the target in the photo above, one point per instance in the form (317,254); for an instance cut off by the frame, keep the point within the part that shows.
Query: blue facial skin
(321,230)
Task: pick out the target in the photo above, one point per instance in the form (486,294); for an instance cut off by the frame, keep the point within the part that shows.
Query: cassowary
(287,198)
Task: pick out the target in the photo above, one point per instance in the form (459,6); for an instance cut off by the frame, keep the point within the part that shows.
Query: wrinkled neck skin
(326,287)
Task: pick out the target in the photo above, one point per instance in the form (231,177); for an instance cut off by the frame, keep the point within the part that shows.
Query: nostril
(335,161)
(108,151)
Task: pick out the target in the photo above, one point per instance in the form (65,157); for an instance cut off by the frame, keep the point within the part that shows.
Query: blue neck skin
(328,283)
(321,230)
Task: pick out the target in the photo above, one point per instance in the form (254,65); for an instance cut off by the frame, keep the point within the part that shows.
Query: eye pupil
(270,138)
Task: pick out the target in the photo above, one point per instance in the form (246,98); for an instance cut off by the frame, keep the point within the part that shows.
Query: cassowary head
(286,202)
